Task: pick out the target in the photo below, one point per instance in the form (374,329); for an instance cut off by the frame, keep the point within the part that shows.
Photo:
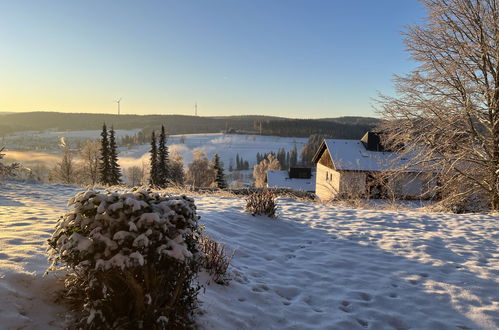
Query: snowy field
(228,146)
(315,267)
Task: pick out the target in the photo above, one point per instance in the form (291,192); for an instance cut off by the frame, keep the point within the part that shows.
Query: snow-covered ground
(314,267)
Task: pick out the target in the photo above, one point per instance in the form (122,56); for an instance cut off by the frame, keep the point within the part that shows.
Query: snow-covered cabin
(296,179)
(353,167)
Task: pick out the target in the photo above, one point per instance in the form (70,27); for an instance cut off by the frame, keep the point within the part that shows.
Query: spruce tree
(153,177)
(293,157)
(115,170)
(219,172)
(105,167)
(163,161)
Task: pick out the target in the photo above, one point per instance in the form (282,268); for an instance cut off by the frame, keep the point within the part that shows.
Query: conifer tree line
(241,164)
(286,159)
(110,171)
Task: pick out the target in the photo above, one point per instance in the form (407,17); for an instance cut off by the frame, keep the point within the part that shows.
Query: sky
(289,58)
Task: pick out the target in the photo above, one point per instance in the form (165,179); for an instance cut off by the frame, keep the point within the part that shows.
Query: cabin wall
(412,185)
(353,183)
(327,184)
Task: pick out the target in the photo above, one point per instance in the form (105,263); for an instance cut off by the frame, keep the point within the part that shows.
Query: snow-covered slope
(28,213)
(315,267)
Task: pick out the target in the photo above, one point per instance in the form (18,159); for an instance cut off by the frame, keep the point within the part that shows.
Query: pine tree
(281,157)
(163,162)
(293,157)
(219,171)
(105,167)
(238,163)
(115,170)
(153,177)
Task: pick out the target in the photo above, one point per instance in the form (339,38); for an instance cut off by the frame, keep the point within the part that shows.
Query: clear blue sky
(303,59)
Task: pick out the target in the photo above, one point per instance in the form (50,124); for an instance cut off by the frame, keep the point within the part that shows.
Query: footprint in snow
(260,288)
(363,323)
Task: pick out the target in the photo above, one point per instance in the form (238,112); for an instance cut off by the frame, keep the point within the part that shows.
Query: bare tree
(7,170)
(65,170)
(269,163)
(445,115)
(90,155)
(135,175)
(200,173)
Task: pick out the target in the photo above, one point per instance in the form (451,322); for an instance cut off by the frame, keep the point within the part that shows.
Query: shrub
(216,259)
(132,258)
(261,203)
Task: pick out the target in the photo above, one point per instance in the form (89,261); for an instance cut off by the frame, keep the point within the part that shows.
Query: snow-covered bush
(262,203)
(132,259)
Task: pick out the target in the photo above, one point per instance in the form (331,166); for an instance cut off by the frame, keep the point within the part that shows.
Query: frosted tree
(90,155)
(177,172)
(270,163)
(65,170)
(7,170)
(445,115)
(135,175)
(200,173)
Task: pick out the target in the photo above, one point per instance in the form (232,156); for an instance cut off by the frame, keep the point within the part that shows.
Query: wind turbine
(118,101)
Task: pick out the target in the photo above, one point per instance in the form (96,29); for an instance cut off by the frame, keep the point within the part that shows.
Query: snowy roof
(280,179)
(352,155)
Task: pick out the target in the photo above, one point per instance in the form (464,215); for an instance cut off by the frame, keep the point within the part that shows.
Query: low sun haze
(306,59)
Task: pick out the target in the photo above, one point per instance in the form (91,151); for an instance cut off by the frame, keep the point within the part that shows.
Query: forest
(342,127)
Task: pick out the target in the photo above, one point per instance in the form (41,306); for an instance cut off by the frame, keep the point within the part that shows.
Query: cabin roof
(352,155)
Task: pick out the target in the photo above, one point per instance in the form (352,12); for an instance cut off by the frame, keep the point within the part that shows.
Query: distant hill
(342,127)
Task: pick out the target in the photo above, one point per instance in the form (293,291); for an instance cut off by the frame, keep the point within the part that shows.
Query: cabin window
(327,176)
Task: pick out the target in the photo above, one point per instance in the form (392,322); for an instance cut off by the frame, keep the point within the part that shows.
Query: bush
(261,203)
(216,259)
(133,258)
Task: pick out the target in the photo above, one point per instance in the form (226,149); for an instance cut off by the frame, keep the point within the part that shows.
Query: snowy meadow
(314,267)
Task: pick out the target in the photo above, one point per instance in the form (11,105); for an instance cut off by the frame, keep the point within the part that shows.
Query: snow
(226,145)
(281,179)
(351,155)
(314,267)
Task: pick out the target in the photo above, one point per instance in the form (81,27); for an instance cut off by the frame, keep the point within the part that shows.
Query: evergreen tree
(163,162)
(105,166)
(115,170)
(153,177)
(219,171)
(293,157)
(281,157)
(238,163)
